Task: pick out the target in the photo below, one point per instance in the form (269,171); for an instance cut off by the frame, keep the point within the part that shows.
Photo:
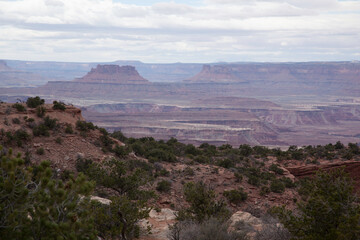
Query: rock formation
(113,74)
(351,167)
(217,73)
(294,73)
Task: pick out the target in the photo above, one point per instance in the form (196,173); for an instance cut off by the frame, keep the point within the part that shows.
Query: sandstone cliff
(113,74)
(309,73)
(217,73)
(351,167)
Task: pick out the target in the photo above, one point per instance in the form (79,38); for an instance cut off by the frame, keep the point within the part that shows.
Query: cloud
(227,30)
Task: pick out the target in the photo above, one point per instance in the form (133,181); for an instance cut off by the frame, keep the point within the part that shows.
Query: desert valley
(270,104)
(179,120)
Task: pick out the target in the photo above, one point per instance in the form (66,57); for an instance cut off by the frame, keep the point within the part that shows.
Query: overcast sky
(180,30)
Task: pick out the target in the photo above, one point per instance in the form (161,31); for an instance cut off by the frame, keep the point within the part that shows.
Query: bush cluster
(33,102)
(59,106)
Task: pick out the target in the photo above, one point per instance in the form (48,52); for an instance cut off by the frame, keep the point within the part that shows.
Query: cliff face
(351,167)
(311,73)
(217,73)
(113,74)
(61,148)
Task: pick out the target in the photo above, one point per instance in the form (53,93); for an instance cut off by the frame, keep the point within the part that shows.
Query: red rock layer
(351,167)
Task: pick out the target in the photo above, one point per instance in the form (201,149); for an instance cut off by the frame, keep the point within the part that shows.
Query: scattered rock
(159,223)
(80,155)
(101,200)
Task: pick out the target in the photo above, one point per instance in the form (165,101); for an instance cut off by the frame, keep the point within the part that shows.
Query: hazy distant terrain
(67,71)
(273,104)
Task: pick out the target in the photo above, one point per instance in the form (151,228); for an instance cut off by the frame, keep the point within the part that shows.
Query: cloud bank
(168,31)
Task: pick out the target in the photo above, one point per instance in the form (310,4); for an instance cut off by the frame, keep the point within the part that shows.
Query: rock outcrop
(159,223)
(113,74)
(351,167)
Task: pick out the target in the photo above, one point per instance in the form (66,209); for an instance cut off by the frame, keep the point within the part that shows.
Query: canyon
(272,104)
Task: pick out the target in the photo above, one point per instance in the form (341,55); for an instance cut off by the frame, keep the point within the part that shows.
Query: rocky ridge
(72,146)
(60,147)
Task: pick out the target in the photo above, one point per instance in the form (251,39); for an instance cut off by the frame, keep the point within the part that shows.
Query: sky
(199,31)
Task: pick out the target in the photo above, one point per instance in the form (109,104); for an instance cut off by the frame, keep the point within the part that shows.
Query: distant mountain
(10,77)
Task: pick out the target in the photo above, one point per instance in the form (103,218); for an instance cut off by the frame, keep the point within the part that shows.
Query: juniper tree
(35,205)
(330,210)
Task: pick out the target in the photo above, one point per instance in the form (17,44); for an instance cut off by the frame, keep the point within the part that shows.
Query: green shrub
(288,182)
(119,219)
(159,155)
(41,130)
(40,151)
(191,149)
(119,136)
(188,171)
(33,102)
(339,145)
(245,150)
(19,136)
(20,107)
(84,126)
(163,172)
(58,140)
(59,106)
(138,148)
(201,159)
(277,186)
(16,121)
(226,163)
(120,151)
(254,180)
(50,122)
(163,186)
(203,203)
(225,147)
(40,111)
(83,165)
(238,177)
(69,129)
(30,120)
(264,190)
(35,205)
(330,209)
(236,196)
(275,168)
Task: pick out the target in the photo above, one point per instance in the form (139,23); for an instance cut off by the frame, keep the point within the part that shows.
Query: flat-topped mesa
(310,72)
(216,73)
(113,74)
